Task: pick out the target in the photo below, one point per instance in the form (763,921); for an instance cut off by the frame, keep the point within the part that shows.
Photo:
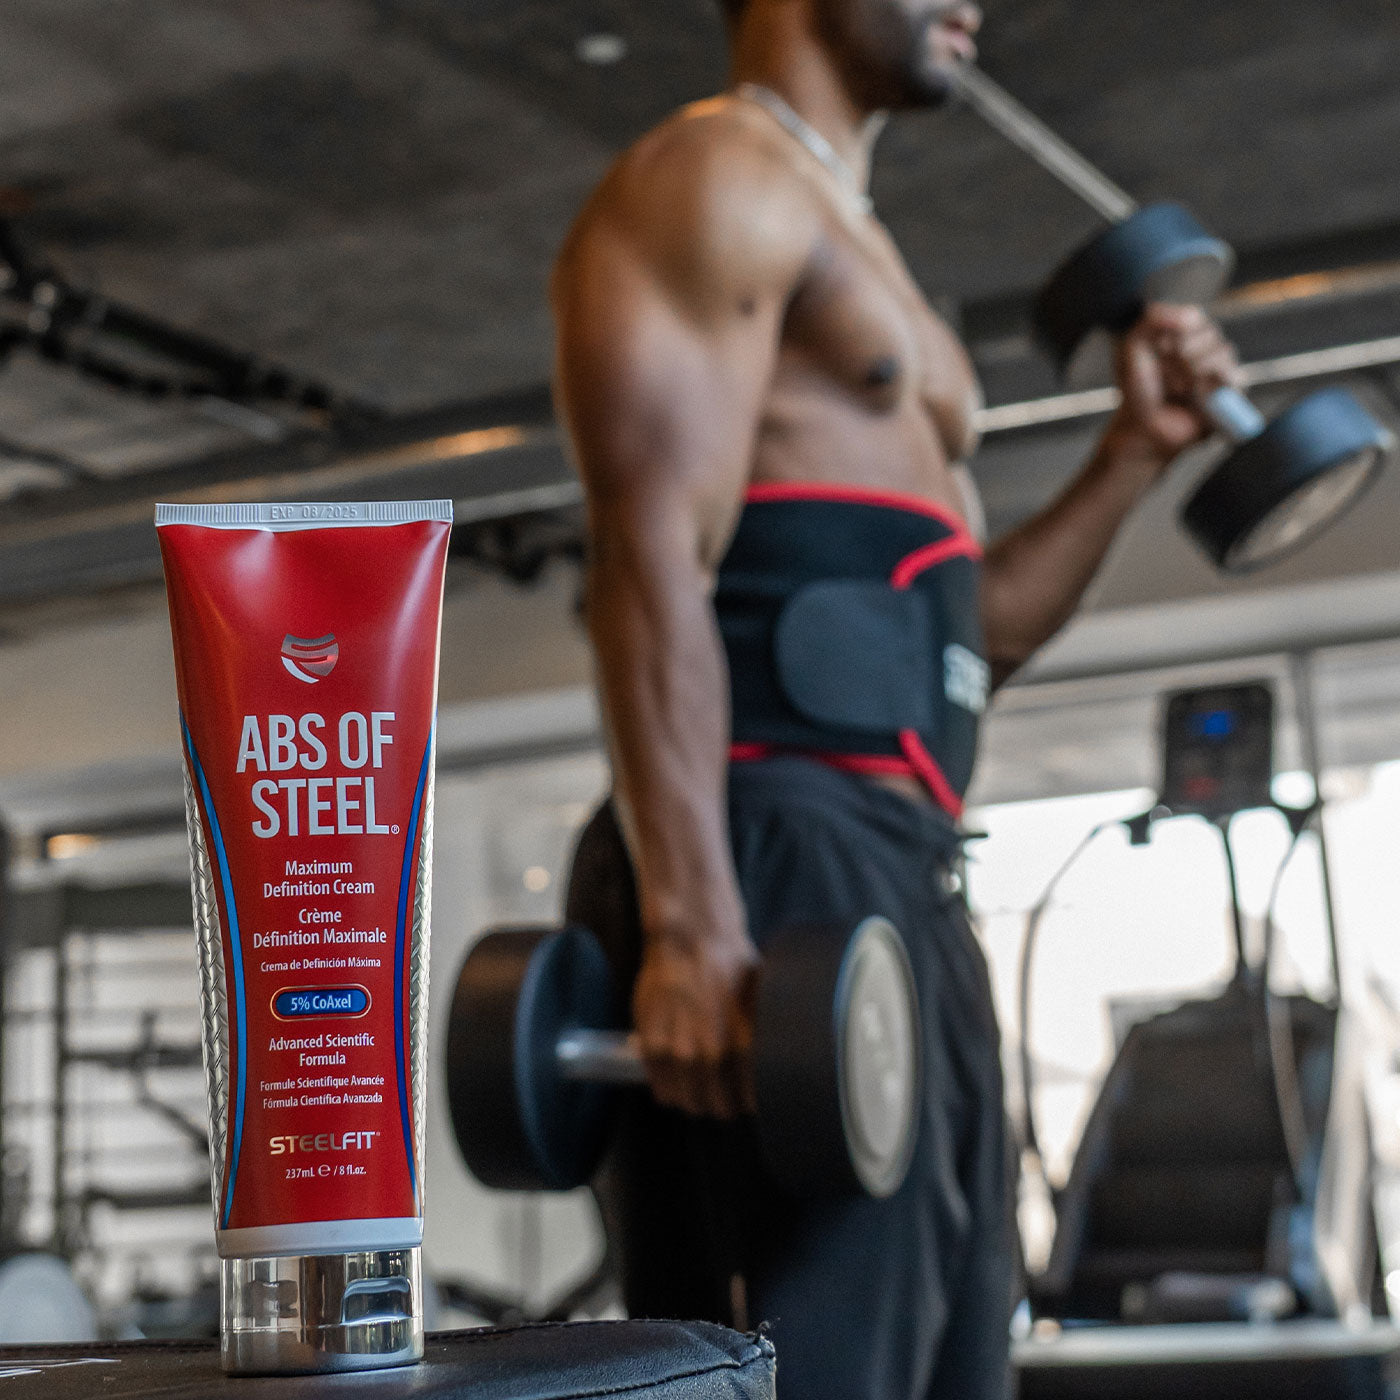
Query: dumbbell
(1283,481)
(537,1056)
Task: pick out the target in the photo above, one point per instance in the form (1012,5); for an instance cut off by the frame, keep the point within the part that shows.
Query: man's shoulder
(714,177)
(722,141)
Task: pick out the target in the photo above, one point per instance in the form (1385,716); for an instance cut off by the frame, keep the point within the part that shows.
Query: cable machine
(1224,1172)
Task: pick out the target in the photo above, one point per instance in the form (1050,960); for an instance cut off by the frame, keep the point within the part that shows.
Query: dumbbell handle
(1234,415)
(600,1057)
(1003,113)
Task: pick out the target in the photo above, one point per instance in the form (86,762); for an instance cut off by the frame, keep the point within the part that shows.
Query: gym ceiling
(366,194)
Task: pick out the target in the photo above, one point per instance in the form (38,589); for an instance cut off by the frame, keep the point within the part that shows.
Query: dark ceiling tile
(673,54)
(334,139)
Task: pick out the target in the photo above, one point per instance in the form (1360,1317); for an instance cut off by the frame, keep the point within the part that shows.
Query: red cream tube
(306,659)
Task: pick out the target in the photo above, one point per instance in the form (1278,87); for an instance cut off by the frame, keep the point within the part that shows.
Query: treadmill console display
(1218,749)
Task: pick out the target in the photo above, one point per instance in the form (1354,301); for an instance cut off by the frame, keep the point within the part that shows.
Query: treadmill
(1217,1233)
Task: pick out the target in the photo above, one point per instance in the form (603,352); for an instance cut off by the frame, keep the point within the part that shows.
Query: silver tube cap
(308,1313)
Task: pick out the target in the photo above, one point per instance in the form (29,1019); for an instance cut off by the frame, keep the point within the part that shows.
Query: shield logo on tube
(310,659)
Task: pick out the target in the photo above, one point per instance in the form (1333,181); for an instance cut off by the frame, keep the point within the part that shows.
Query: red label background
(234,595)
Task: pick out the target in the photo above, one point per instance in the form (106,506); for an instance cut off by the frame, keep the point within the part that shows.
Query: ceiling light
(601,49)
(68,844)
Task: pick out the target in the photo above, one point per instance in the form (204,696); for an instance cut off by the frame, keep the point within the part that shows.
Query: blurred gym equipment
(1224,1175)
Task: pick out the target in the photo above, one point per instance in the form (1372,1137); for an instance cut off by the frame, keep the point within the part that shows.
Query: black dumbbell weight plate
(520,1123)
(838,1058)
(1279,489)
(1159,253)
(881,1060)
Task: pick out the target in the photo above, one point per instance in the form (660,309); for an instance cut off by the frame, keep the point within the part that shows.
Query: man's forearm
(1034,577)
(665,697)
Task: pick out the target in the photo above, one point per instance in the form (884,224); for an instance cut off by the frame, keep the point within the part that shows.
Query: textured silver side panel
(418,971)
(213,992)
(301,515)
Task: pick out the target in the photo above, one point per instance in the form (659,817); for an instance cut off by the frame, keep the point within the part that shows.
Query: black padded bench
(559,1361)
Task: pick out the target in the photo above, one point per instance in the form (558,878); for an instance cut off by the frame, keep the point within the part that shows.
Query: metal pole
(61,1241)
(1236,912)
(1300,670)
(1003,113)
(9,1209)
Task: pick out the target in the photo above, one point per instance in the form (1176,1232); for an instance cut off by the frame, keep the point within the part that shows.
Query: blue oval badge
(294,1003)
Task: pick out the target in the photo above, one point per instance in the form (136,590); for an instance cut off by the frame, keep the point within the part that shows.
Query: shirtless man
(760,400)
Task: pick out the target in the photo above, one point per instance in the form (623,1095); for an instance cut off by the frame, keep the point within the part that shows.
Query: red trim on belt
(920,760)
(917,763)
(930,556)
(860,496)
(926,767)
(750,753)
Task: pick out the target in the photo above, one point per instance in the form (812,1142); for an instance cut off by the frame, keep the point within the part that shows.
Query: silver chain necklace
(803,131)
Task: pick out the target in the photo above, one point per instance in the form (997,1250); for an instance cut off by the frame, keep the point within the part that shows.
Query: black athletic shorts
(867,1300)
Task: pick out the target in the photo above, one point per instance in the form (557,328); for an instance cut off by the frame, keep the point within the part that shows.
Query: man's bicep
(660,402)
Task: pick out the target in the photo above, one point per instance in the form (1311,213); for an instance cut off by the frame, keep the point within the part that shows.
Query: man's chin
(929,85)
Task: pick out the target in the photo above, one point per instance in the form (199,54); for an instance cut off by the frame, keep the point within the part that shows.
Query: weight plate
(1160,252)
(519,1123)
(880,1056)
(1277,491)
(837,1058)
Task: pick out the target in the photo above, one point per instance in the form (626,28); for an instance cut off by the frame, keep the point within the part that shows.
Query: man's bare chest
(859,322)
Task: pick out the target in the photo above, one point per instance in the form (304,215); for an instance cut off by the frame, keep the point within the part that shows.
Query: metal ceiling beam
(494,458)
(1282,369)
(502,457)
